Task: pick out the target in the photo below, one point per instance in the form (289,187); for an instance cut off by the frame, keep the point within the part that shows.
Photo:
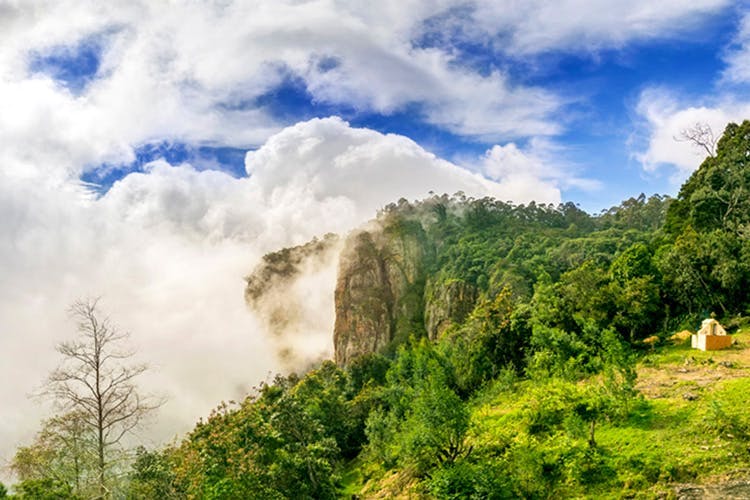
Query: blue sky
(593,91)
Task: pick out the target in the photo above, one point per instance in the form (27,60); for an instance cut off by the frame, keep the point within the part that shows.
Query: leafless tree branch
(700,135)
(95,381)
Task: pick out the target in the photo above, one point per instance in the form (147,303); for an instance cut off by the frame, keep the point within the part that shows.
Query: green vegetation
(541,387)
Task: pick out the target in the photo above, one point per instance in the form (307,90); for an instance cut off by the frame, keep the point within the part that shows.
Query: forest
(533,393)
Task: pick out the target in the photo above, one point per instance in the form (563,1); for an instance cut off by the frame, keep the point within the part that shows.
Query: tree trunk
(102,490)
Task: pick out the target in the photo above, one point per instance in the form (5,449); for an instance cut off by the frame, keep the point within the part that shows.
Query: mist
(168,250)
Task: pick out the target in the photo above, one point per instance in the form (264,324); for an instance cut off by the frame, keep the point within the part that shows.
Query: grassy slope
(689,429)
(692,427)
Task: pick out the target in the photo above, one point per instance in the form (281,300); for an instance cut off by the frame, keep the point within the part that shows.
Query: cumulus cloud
(168,249)
(665,117)
(330,162)
(536,172)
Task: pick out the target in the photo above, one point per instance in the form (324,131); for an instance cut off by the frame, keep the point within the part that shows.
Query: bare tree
(700,135)
(96,380)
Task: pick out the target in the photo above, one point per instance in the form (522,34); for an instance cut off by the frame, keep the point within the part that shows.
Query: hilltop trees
(716,195)
(706,265)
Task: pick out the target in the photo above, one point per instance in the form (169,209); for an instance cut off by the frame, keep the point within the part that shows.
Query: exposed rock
(689,396)
(380,289)
(729,490)
(363,300)
(446,304)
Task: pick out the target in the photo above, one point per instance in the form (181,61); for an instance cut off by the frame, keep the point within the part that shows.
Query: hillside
(491,350)
(488,350)
(686,436)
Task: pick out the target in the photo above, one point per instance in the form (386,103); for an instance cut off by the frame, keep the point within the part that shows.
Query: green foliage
(471,479)
(60,455)
(493,336)
(423,422)
(706,267)
(638,213)
(270,447)
(716,195)
(434,430)
(153,475)
(367,371)
(44,489)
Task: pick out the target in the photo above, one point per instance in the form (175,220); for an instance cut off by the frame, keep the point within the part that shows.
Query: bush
(465,479)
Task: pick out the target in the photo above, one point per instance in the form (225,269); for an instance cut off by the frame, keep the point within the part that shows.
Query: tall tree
(96,381)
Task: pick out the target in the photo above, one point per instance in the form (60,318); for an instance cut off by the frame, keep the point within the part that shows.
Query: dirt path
(695,370)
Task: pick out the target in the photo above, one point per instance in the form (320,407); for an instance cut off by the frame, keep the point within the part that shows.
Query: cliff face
(387,288)
(446,304)
(379,289)
(385,291)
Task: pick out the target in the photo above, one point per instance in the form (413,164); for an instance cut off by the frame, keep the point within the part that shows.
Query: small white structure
(711,336)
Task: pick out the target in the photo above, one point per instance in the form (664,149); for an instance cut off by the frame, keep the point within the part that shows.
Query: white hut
(711,336)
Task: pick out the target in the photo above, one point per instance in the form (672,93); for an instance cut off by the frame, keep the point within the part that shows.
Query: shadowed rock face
(364,300)
(380,289)
(448,304)
(383,293)
(389,287)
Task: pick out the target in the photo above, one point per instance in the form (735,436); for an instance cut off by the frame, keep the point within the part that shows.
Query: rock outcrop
(729,490)
(380,289)
(447,303)
(388,288)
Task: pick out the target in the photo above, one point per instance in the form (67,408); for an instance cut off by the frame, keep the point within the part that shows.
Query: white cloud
(168,249)
(327,160)
(590,25)
(536,172)
(190,71)
(665,117)
(737,56)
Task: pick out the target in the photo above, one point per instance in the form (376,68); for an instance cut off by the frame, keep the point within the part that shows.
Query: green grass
(351,479)
(665,440)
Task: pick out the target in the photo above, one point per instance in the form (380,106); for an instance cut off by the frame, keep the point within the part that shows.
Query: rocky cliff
(380,288)
(447,302)
(387,289)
